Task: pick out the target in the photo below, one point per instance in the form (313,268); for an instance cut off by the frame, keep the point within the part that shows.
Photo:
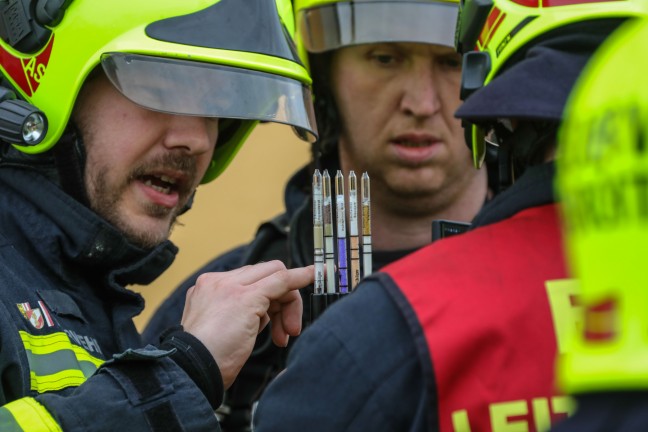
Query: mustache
(177,162)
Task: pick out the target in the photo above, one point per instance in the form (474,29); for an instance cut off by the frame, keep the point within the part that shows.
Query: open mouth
(161,183)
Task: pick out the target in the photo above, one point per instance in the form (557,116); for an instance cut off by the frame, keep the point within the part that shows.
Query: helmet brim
(183,87)
(337,25)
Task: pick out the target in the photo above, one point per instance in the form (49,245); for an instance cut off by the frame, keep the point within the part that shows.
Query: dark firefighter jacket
(418,346)
(70,355)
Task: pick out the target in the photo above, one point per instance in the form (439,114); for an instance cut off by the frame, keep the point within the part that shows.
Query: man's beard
(105,198)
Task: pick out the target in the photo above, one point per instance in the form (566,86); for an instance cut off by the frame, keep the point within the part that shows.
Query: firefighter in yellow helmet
(111,115)
(602,178)
(461,335)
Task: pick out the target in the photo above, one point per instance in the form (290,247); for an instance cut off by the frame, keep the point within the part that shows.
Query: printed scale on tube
(354,238)
(329,253)
(318,296)
(318,233)
(366,226)
(340,213)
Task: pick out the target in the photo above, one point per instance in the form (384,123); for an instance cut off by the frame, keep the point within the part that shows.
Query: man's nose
(195,135)
(420,93)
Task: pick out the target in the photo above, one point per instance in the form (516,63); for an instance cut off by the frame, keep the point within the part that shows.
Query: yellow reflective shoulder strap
(27,414)
(56,363)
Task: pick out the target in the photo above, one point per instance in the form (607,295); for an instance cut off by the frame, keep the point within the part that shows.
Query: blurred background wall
(228,210)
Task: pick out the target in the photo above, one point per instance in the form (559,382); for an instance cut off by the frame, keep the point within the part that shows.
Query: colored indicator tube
(366,226)
(329,253)
(318,233)
(340,213)
(353,230)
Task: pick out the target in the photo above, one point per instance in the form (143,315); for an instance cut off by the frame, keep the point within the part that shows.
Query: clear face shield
(337,25)
(210,90)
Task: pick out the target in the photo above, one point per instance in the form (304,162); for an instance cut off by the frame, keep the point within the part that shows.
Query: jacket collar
(49,226)
(533,188)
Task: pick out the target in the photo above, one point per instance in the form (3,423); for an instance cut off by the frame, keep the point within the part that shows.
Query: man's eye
(384,58)
(451,62)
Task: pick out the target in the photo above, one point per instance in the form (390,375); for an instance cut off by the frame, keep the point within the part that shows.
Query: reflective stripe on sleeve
(27,415)
(56,363)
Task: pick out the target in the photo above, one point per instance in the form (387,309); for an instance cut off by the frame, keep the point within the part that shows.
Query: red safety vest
(480,308)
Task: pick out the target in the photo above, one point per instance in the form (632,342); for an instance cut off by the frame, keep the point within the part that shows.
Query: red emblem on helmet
(27,72)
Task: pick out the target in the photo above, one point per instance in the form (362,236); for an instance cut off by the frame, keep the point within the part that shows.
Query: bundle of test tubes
(331,265)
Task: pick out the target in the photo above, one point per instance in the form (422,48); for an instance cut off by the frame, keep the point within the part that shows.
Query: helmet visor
(209,90)
(340,24)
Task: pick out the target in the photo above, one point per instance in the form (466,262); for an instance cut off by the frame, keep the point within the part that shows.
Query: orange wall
(227,211)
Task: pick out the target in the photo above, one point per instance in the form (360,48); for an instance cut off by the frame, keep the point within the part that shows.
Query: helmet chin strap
(326,111)
(517,150)
(188,204)
(70,160)
(498,166)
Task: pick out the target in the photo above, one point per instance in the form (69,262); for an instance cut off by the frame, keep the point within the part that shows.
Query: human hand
(226,311)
